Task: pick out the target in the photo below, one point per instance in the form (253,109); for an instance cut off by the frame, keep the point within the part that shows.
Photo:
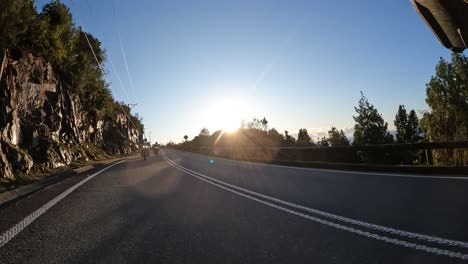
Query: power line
(118,78)
(126,65)
(114,6)
(89,8)
(122,86)
(97,60)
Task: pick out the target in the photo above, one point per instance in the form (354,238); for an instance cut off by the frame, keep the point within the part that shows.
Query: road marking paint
(341,218)
(336,217)
(16,229)
(341,171)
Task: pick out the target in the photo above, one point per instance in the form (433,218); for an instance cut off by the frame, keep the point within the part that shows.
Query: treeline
(446,120)
(52,35)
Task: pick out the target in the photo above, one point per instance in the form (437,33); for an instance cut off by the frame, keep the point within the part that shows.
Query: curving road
(188,208)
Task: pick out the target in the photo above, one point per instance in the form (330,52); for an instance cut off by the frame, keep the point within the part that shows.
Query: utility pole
(150,137)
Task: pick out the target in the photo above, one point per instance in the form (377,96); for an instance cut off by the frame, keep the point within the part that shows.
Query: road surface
(188,208)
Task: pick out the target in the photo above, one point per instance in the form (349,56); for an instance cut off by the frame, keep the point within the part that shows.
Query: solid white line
(338,217)
(338,171)
(16,229)
(407,244)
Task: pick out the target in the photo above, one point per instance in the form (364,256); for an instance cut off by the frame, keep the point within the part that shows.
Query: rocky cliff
(42,124)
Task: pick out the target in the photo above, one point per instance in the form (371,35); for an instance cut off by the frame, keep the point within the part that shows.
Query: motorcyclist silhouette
(145,151)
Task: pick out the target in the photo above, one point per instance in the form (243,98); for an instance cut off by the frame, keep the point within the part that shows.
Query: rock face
(43,123)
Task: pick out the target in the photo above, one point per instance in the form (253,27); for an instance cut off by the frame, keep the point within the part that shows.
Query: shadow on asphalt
(166,216)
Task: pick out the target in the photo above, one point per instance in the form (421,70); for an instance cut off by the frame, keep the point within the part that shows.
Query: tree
(273,131)
(204,132)
(407,126)
(256,124)
(185,138)
(51,35)
(370,128)
(137,121)
(170,144)
(323,142)
(303,137)
(275,138)
(61,31)
(447,98)
(264,123)
(337,138)
(413,127)
(288,139)
(400,122)
(16,17)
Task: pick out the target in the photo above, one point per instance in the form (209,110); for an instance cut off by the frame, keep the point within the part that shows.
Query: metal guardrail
(421,145)
(346,154)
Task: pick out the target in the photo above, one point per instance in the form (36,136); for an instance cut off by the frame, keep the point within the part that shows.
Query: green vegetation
(370,128)
(447,98)
(337,138)
(288,139)
(303,138)
(51,34)
(17,19)
(407,126)
(204,132)
(446,120)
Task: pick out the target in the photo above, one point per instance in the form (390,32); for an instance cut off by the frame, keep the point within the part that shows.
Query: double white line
(296,209)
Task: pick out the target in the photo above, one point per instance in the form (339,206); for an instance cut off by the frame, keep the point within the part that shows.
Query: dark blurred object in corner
(448,19)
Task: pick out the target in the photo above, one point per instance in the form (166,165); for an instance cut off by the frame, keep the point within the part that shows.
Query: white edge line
(16,229)
(433,250)
(338,217)
(337,171)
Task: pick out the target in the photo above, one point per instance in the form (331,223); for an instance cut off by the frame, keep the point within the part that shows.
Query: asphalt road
(189,208)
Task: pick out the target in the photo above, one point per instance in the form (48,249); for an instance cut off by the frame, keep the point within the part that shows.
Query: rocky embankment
(43,125)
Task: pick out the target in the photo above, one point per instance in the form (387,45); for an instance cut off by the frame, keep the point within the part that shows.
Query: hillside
(55,105)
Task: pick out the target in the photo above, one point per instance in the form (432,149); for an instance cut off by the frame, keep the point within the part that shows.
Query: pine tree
(370,128)
(337,138)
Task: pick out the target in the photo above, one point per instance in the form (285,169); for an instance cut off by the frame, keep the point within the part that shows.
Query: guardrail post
(429,158)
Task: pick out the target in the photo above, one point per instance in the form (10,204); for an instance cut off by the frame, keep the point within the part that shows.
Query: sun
(226,114)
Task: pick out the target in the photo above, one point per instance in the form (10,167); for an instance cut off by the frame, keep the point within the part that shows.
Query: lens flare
(226,114)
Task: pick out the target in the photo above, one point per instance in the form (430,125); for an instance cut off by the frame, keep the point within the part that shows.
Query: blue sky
(299,63)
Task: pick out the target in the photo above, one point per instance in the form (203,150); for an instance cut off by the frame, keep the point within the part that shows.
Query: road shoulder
(11,196)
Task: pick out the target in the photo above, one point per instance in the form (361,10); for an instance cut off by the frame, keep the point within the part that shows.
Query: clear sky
(301,64)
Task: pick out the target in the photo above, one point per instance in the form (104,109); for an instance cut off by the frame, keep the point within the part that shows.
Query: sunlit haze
(301,64)
(225,113)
